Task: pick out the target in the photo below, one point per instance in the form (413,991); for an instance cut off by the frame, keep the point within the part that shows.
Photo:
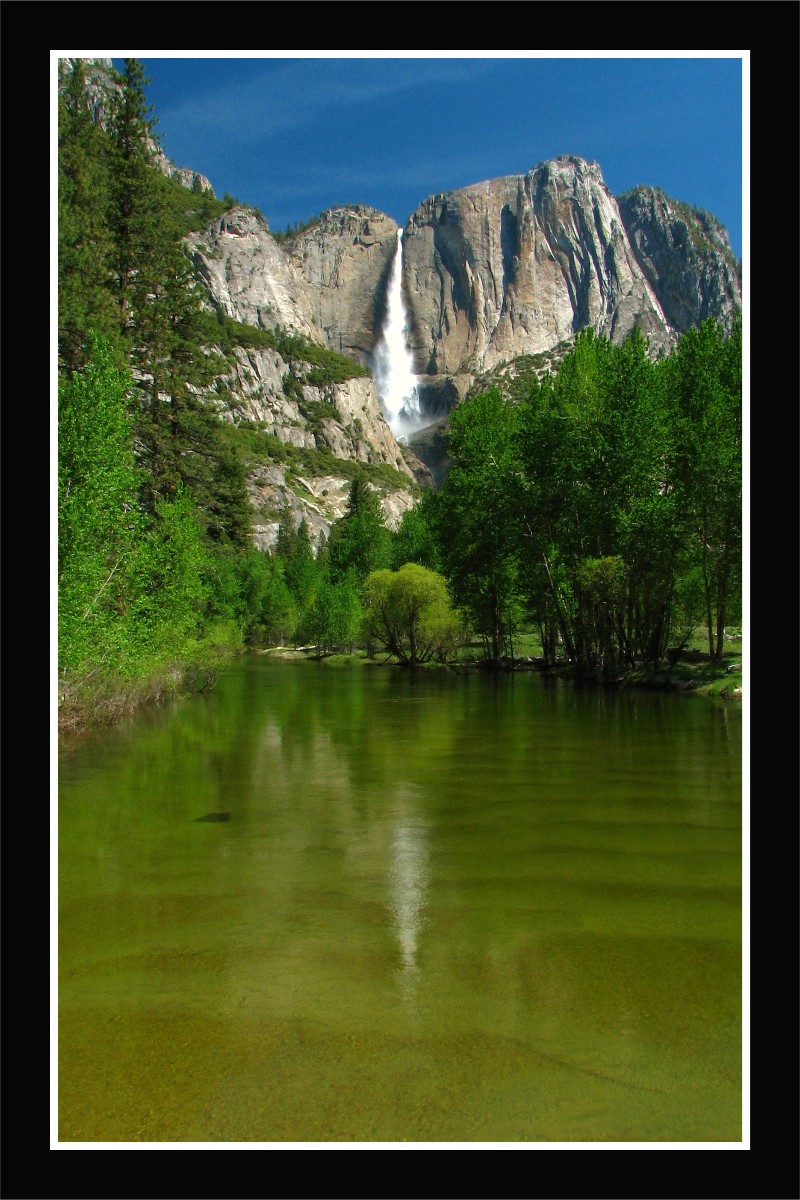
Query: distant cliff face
(686,257)
(518,264)
(344,261)
(250,277)
(512,266)
(322,430)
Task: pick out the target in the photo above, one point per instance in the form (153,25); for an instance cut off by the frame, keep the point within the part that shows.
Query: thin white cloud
(406,173)
(293,95)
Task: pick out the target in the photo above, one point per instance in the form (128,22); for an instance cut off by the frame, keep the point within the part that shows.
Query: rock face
(323,430)
(500,269)
(247,273)
(344,260)
(686,257)
(184,175)
(518,264)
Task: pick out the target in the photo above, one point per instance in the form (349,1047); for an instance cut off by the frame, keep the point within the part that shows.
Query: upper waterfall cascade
(395,381)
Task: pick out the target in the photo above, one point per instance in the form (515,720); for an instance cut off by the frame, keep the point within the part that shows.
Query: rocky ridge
(500,272)
(685,255)
(518,264)
(100,83)
(247,274)
(320,430)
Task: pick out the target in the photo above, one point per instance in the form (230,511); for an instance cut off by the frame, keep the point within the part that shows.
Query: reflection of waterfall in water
(395,381)
(408,881)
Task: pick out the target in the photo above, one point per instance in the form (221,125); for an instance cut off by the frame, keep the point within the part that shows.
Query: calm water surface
(444,908)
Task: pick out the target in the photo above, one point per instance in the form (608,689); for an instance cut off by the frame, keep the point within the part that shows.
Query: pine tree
(137,208)
(160,313)
(85,298)
(360,542)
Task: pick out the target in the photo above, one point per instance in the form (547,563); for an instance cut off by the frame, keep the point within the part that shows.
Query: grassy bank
(692,671)
(97,699)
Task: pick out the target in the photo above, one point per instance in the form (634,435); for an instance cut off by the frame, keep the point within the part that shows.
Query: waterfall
(395,381)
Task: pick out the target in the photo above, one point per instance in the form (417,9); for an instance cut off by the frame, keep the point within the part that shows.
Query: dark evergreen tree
(179,435)
(85,297)
(415,538)
(360,542)
(137,210)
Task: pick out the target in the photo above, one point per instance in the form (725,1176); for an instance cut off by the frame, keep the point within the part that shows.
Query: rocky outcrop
(344,260)
(101,84)
(430,446)
(249,276)
(498,277)
(185,176)
(518,264)
(321,430)
(686,257)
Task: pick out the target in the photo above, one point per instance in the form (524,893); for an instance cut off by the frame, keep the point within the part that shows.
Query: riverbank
(94,700)
(693,671)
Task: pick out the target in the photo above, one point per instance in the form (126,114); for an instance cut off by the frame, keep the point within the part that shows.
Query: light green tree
(99,525)
(409,614)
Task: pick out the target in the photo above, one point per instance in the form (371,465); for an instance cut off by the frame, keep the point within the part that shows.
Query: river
(443,908)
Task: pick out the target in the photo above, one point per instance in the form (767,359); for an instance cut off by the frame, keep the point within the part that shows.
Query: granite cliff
(685,255)
(518,265)
(343,261)
(504,268)
(249,277)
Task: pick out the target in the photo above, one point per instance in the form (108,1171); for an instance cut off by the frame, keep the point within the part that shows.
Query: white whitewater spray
(395,381)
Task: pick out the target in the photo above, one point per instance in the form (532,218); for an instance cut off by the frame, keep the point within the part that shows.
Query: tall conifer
(161,315)
(85,299)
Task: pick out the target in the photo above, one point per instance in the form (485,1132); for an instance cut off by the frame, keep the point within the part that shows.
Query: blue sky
(296,135)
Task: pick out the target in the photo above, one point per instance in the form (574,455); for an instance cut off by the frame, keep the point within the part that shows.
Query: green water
(444,909)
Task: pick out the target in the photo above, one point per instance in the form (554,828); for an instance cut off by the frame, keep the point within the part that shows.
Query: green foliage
(249,589)
(85,297)
(360,542)
(333,621)
(408,613)
(604,499)
(98,520)
(255,445)
(161,322)
(415,538)
(190,209)
(325,366)
(133,588)
(168,579)
(474,517)
(705,376)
